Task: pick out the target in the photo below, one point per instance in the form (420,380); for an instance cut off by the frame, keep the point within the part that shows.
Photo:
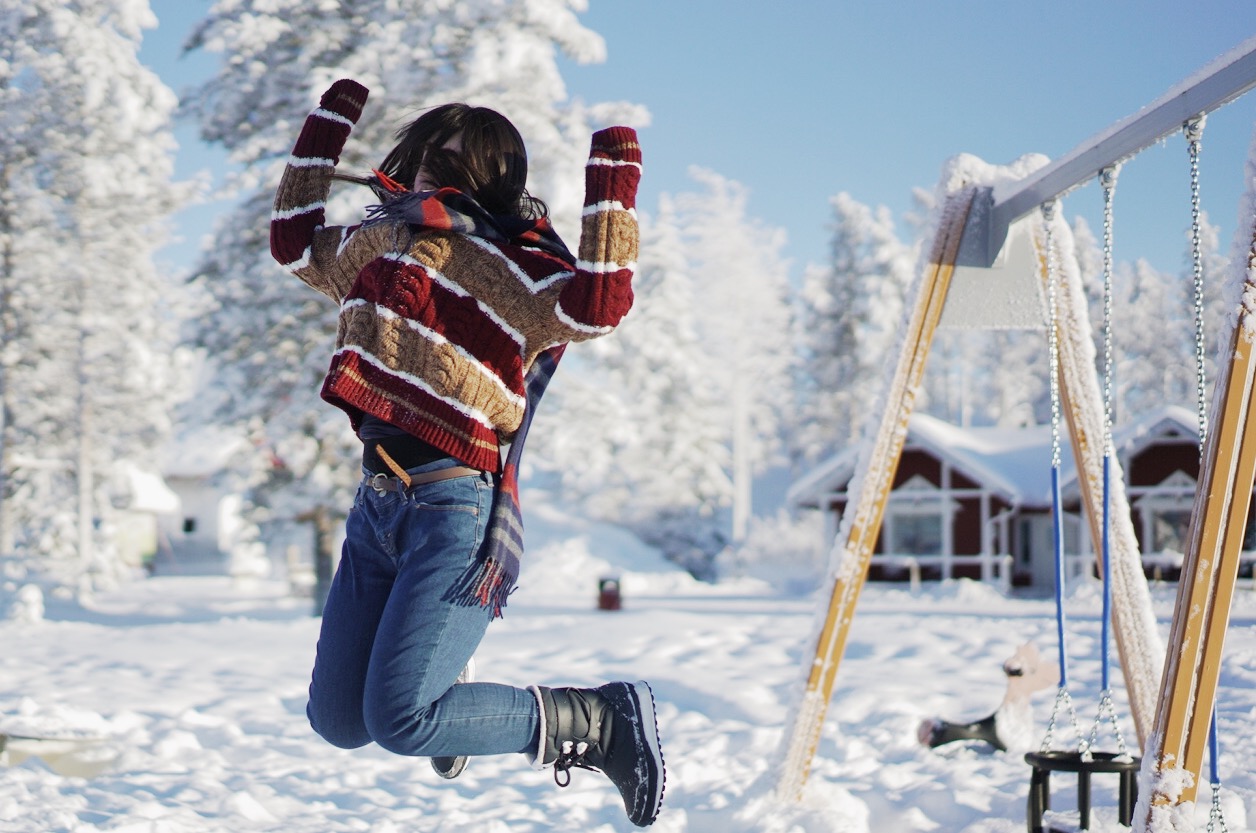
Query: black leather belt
(387,483)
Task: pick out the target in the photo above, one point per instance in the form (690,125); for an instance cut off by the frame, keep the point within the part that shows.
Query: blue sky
(800,99)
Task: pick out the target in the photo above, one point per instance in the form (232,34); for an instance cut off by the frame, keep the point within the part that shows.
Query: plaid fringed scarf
(450,209)
(489,582)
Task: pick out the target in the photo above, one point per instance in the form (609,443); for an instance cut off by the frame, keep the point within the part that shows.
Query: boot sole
(655,746)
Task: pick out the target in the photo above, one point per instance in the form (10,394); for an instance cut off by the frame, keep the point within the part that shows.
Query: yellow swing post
(861,523)
(1188,688)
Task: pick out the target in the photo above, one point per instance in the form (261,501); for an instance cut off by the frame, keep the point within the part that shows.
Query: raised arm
(600,295)
(298,238)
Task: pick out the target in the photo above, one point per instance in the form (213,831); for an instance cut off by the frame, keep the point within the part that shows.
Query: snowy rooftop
(1013,461)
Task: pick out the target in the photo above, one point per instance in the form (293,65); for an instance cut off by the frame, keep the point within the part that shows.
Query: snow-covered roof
(1166,420)
(1014,462)
(201,453)
(149,492)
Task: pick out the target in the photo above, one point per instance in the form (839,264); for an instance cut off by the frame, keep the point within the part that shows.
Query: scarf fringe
(491,580)
(487,583)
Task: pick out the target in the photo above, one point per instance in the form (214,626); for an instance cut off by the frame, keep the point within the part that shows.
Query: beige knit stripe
(303,190)
(455,285)
(408,407)
(477,266)
(406,337)
(609,237)
(479,272)
(533,285)
(436,369)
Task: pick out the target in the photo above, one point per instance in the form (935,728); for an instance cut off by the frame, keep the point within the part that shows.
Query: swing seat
(1044,763)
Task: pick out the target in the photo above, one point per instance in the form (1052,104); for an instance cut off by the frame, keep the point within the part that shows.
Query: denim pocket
(459,494)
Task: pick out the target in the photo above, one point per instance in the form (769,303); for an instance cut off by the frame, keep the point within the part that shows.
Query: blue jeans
(391,648)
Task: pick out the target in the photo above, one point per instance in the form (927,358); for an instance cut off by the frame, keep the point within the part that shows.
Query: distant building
(144,504)
(200,536)
(976,502)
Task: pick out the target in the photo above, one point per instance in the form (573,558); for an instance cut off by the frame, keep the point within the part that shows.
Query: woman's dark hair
(492,166)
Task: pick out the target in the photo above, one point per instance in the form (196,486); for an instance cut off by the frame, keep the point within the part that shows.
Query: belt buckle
(379,483)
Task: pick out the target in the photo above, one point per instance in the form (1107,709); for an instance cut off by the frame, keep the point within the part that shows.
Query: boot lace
(570,756)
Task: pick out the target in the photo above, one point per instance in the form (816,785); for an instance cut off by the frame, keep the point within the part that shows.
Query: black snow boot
(610,729)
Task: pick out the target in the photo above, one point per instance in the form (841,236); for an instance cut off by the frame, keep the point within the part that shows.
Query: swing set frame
(1173,723)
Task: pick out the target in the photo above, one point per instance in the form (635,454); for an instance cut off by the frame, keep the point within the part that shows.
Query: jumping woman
(456,301)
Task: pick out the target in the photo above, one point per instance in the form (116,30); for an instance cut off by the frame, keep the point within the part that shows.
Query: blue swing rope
(1107,179)
(1062,700)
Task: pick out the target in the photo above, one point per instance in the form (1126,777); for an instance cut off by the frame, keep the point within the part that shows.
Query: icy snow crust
(192,693)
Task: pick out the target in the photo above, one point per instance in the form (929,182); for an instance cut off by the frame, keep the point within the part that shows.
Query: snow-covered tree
(85,197)
(852,308)
(637,427)
(742,286)
(269,338)
(1153,341)
(651,428)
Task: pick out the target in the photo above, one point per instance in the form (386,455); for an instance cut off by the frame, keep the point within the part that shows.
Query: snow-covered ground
(186,698)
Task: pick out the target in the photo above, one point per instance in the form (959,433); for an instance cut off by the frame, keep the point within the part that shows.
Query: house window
(189,526)
(1166,509)
(916,518)
(916,534)
(1169,528)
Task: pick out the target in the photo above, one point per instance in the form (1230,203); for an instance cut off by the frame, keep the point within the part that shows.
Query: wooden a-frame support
(1201,616)
(861,524)
(860,528)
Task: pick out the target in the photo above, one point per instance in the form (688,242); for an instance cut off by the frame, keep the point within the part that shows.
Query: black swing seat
(1044,763)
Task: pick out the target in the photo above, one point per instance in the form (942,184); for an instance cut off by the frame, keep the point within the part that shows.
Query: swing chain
(1107,179)
(1216,819)
(1194,130)
(1064,701)
(1107,710)
(1053,343)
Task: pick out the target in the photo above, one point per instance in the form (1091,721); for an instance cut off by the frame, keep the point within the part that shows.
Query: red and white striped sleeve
(593,302)
(297,221)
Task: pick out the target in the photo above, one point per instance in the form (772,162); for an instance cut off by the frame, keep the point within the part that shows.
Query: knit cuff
(345,98)
(616,143)
(614,168)
(327,129)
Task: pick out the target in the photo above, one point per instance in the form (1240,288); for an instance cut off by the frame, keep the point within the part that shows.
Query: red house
(976,502)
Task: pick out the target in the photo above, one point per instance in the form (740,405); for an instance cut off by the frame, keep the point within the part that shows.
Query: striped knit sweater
(436,334)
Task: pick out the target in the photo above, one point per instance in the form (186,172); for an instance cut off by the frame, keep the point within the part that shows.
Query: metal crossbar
(995,209)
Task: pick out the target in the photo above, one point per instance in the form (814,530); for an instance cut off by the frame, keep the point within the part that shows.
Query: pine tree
(638,432)
(746,325)
(269,338)
(852,309)
(1149,372)
(694,382)
(85,338)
